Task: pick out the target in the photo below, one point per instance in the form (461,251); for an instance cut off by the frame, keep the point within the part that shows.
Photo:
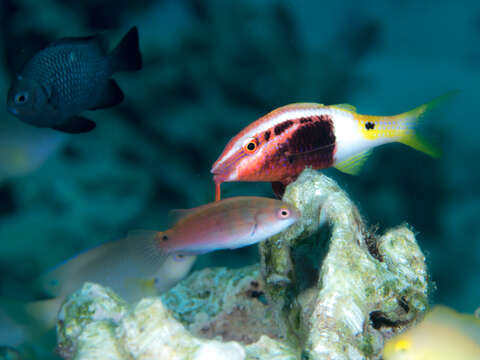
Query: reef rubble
(327,288)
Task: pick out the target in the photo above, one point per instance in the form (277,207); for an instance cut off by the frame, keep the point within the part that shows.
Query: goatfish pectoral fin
(354,164)
(412,118)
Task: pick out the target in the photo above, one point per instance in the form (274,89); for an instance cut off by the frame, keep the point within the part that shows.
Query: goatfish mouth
(223,171)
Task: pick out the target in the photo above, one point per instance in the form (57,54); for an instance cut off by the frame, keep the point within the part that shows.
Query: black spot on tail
(280,128)
(369,125)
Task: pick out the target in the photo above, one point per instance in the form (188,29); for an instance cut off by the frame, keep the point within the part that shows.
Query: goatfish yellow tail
(401,128)
(354,147)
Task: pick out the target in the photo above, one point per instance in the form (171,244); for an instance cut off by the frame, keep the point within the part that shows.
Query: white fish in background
(24,149)
(120,266)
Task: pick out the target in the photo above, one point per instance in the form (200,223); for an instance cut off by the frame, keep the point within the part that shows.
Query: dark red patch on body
(311,143)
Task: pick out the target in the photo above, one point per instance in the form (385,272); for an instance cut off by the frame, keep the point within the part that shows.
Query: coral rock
(320,292)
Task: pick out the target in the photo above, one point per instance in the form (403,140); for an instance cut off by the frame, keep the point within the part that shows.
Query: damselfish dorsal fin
(354,164)
(96,40)
(347,107)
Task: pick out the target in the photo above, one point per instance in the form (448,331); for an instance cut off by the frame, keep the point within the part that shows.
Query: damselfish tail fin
(126,56)
(412,118)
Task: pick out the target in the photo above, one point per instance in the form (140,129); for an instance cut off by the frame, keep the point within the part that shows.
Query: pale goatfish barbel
(228,224)
(278,146)
(70,76)
(444,334)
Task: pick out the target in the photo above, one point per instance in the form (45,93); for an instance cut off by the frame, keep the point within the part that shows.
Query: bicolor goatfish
(279,145)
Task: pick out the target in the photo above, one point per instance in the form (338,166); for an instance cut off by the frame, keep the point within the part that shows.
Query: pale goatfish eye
(283,213)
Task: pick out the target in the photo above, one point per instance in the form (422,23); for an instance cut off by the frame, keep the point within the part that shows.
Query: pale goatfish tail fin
(409,121)
(126,56)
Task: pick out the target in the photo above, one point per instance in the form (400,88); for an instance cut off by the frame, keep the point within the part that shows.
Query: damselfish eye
(21,98)
(250,146)
(283,213)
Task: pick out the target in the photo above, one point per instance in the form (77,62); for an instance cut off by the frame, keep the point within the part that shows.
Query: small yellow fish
(444,334)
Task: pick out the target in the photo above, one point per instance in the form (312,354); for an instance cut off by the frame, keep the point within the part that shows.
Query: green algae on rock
(317,294)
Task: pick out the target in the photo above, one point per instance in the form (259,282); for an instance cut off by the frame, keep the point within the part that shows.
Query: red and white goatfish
(279,145)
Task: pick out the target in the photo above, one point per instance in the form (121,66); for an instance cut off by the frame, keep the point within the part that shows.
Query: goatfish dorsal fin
(347,107)
(353,165)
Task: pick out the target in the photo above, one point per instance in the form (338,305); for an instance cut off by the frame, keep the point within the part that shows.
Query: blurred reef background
(210,68)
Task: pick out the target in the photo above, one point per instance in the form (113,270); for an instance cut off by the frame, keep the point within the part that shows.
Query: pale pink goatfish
(227,224)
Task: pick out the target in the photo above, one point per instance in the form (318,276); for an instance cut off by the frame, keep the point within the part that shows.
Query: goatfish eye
(21,98)
(283,213)
(250,145)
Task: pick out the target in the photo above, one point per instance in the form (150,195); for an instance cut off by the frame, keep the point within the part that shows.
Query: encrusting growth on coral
(320,292)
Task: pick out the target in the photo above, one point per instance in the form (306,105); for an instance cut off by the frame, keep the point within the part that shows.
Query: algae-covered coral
(317,294)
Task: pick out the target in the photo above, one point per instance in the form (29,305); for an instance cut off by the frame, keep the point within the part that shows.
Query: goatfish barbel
(228,224)
(444,334)
(279,145)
